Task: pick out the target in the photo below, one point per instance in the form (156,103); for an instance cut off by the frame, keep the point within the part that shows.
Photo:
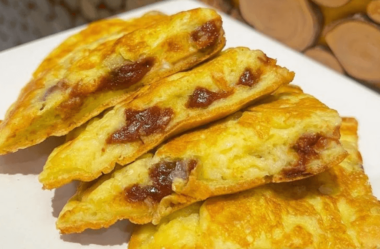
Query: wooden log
(324,56)
(331,3)
(235,3)
(293,22)
(331,15)
(235,13)
(223,5)
(356,44)
(373,11)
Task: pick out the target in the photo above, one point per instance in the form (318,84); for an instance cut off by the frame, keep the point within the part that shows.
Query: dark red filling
(126,75)
(202,97)
(249,78)
(142,123)
(162,175)
(206,35)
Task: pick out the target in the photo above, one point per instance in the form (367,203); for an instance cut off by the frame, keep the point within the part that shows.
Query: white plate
(28,214)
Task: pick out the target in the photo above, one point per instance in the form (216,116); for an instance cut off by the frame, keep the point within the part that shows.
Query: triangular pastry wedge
(105,72)
(335,209)
(106,29)
(183,101)
(286,137)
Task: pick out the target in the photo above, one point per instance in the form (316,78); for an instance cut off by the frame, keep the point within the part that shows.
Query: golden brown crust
(240,152)
(334,209)
(103,73)
(186,236)
(91,153)
(93,32)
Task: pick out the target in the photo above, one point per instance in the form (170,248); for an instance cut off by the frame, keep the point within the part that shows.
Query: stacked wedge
(204,148)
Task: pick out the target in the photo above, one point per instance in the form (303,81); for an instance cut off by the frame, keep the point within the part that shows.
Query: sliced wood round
(332,15)
(331,3)
(356,44)
(324,56)
(373,11)
(223,5)
(293,22)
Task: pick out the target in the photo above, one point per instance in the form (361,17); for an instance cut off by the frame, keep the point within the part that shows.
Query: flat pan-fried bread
(180,229)
(214,87)
(103,73)
(288,136)
(106,28)
(335,209)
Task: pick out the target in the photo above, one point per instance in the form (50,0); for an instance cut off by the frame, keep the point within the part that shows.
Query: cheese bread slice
(289,136)
(335,209)
(106,72)
(183,101)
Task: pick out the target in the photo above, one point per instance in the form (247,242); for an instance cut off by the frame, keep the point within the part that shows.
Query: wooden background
(342,34)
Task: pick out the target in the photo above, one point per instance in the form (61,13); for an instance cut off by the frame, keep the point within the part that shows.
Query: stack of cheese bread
(203,148)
